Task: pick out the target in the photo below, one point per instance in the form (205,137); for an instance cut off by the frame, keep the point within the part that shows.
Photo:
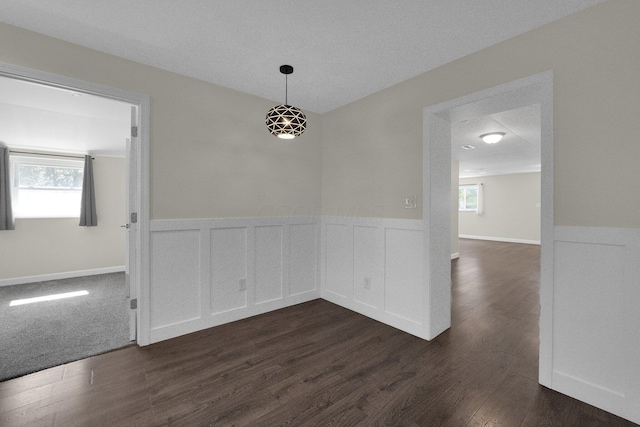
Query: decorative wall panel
(207,272)
(596,313)
(175,277)
(228,269)
(268,263)
(374,267)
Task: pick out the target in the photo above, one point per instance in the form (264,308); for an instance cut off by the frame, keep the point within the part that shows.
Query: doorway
(437,214)
(136,217)
(496,185)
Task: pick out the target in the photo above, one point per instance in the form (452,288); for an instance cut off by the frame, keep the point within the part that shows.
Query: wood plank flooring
(317,364)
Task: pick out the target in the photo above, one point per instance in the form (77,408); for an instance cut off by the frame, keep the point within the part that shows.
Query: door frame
(143,103)
(132,227)
(536,89)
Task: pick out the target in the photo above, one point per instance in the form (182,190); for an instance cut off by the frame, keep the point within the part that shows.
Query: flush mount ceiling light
(285,121)
(492,138)
(467,147)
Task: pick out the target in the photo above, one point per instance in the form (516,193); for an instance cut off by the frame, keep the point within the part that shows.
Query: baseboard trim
(500,239)
(600,397)
(58,276)
(166,332)
(455,255)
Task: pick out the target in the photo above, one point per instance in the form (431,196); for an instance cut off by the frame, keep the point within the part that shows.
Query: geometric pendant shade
(286,121)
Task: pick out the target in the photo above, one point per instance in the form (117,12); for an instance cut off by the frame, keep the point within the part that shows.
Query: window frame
(15,160)
(468,187)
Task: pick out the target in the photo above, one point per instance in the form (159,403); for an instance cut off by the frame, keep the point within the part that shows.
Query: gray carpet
(44,334)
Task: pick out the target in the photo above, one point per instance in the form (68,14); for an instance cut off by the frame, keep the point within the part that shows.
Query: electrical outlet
(411,202)
(367,283)
(243,285)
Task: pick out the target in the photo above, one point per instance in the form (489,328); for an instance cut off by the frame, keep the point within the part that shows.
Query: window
(46,187)
(468,197)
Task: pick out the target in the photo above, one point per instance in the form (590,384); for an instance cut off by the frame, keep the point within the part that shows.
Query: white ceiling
(342,50)
(518,152)
(32,95)
(43,118)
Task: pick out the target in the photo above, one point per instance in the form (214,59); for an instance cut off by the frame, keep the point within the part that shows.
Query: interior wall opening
(45,124)
(438,216)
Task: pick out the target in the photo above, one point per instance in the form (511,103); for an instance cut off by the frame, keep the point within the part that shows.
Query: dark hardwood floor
(317,364)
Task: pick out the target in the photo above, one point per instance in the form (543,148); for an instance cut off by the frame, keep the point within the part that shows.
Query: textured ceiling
(44,118)
(36,96)
(342,50)
(519,150)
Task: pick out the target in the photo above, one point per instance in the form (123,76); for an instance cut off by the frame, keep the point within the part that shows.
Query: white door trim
(143,103)
(537,89)
(132,226)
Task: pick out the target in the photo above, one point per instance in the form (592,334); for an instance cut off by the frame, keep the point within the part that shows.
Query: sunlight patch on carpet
(48,298)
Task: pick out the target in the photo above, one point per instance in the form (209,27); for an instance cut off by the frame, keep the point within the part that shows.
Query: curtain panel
(88,214)
(6,211)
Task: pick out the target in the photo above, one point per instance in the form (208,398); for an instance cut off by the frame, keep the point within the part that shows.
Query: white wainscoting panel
(387,252)
(403,291)
(175,274)
(304,253)
(338,260)
(228,267)
(268,263)
(368,266)
(596,317)
(206,272)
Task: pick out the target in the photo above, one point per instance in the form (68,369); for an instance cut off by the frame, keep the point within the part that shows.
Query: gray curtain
(6,211)
(88,215)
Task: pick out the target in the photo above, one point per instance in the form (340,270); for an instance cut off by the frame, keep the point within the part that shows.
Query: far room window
(46,187)
(468,197)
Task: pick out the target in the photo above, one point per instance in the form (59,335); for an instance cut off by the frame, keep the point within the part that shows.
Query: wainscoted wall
(213,271)
(596,320)
(374,266)
(209,272)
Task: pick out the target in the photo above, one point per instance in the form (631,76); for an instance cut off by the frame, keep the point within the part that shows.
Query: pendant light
(284,120)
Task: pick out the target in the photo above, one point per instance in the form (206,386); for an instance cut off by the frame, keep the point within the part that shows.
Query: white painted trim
(144,106)
(205,322)
(547,232)
(403,224)
(537,89)
(597,235)
(624,400)
(455,255)
(405,325)
(196,224)
(609,400)
(500,239)
(379,310)
(203,317)
(436,188)
(58,276)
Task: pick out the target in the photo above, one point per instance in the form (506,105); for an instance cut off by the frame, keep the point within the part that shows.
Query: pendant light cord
(286,89)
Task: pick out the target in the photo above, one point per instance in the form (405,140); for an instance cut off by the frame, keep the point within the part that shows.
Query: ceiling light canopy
(492,138)
(284,120)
